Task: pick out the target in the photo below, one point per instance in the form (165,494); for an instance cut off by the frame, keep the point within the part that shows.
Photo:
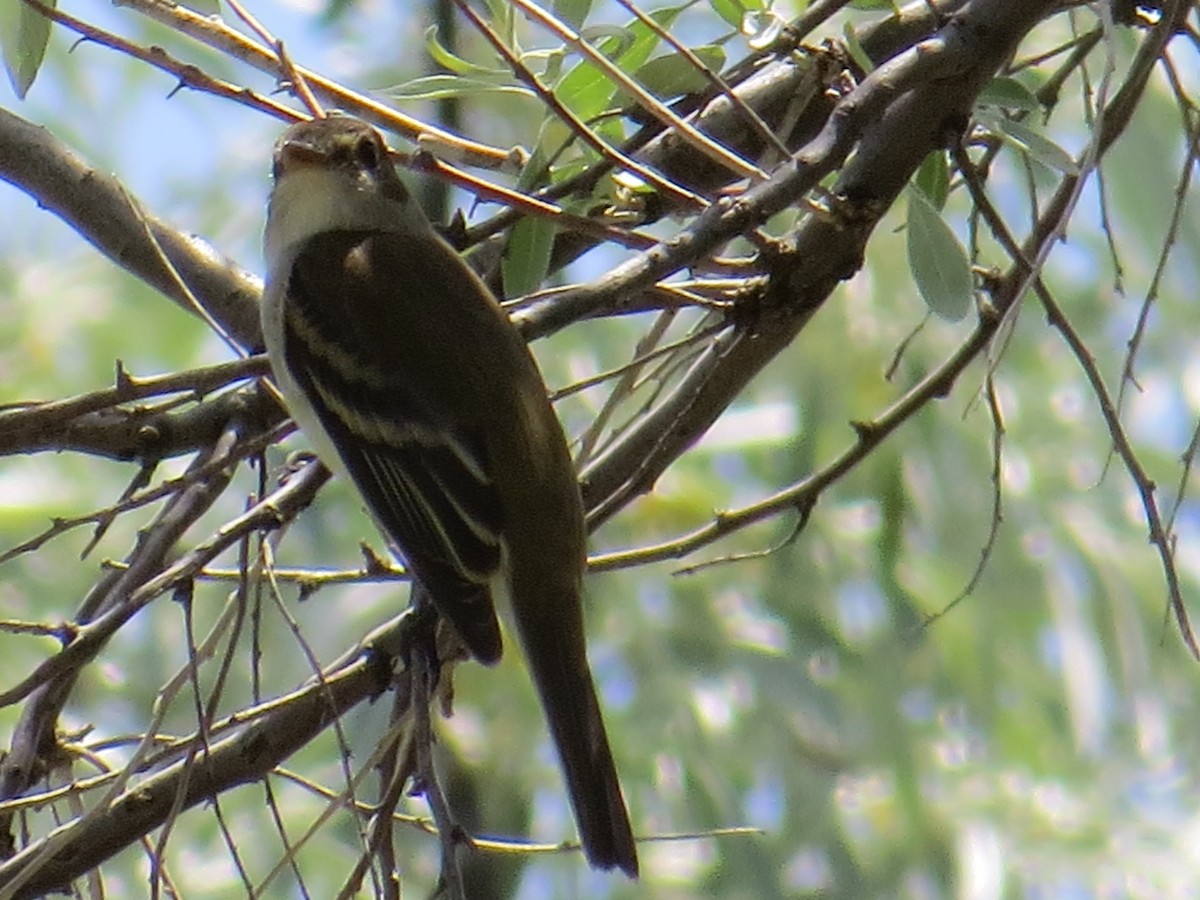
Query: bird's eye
(367,152)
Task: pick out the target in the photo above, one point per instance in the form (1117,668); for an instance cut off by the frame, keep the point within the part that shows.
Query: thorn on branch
(374,563)
(867,432)
(184,592)
(63,632)
(140,480)
(125,384)
(941,389)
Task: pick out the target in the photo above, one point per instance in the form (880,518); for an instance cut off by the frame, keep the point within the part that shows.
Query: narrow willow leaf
(1007,93)
(674,75)
(451,61)
(617,38)
(1038,146)
(585,89)
(501,14)
(937,259)
(857,53)
(527,252)
(527,255)
(438,87)
(24,34)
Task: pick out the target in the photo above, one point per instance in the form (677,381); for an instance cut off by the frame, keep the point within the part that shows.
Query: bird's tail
(557,658)
(577,728)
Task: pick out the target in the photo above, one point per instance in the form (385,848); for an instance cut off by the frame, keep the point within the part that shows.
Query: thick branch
(247,755)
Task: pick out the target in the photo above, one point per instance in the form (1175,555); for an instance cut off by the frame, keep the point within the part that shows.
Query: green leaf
(24,34)
(674,75)
(551,62)
(437,87)
(573,12)
(585,89)
(501,14)
(857,53)
(1037,146)
(734,11)
(448,59)
(527,256)
(1007,93)
(938,260)
(933,178)
(617,38)
(729,10)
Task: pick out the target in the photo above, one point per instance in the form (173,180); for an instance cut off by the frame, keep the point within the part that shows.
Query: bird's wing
(422,474)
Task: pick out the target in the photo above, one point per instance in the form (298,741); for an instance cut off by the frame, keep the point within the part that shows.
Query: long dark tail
(545,565)
(557,657)
(573,712)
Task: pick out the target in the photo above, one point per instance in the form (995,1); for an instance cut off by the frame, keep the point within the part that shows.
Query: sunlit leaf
(734,11)
(673,75)
(450,60)
(24,34)
(588,91)
(938,261)
(438,87)
(729,10)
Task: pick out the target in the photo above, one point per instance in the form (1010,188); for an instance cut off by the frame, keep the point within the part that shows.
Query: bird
(407,377)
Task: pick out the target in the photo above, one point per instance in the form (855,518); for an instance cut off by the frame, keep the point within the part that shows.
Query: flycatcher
(407,377)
